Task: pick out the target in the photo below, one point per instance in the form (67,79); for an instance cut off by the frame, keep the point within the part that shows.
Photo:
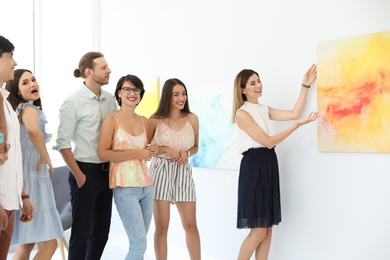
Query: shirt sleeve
(68,122)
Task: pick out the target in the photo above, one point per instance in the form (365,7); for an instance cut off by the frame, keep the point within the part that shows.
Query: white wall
(335,205)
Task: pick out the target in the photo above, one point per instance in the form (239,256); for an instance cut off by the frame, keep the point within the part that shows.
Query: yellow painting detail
(149,102)
(353,94)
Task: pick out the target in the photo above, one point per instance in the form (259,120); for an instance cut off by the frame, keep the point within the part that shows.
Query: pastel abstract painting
(216,133)
(353,94)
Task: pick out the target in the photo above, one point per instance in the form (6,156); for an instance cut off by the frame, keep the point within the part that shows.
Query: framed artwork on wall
(353,94)
(213,107)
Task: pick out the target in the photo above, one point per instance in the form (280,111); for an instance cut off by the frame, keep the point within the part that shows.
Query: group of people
(109,159)
(106,146)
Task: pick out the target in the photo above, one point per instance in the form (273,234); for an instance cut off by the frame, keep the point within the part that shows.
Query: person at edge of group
(81,116)
(123,142)
(3,122)
(3,133)
(176,132)
(12,194)
(46,226)
(258,185)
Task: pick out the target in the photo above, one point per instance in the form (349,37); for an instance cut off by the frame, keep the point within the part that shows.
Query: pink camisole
(132,172)
(181,140)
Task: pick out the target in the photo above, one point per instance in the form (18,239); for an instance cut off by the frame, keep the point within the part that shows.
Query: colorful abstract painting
(353,87)
(150,99)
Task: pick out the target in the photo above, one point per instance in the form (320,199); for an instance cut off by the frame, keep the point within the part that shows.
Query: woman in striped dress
(174,129)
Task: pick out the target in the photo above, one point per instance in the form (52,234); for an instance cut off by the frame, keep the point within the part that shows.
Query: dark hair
(133,80)
(164,105)
(12,86)
(86,62)
(5,45)
(239,84)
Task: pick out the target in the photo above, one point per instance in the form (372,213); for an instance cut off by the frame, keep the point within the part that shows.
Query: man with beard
(81,116)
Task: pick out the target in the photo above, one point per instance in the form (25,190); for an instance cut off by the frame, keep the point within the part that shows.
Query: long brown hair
(12,86)
(164,106)
(239,84)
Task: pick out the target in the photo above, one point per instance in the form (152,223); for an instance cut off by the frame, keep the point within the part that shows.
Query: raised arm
(295,112)
(30,119)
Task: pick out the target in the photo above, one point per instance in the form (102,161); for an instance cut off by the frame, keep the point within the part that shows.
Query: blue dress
(46,224)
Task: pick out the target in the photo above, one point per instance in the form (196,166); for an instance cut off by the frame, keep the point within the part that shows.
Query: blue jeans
(135,208)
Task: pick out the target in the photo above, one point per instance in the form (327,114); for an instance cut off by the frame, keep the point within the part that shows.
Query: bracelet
(188,153)
(25,197)
(305,86)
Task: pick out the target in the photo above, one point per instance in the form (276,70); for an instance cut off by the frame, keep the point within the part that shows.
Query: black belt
(94,166)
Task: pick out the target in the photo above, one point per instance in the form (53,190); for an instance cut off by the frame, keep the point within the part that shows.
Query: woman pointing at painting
(258,184)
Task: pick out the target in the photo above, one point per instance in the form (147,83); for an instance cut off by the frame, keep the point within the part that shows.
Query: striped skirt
(172,182)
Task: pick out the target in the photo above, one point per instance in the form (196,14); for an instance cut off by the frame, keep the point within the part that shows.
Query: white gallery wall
(334,205)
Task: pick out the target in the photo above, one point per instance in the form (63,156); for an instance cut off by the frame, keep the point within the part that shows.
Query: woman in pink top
(123,142)
(175,130)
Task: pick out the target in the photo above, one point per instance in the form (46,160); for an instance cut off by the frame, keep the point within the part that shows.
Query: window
(50,37)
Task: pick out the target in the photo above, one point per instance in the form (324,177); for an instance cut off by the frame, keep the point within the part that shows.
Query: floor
(117,244)
(116,248)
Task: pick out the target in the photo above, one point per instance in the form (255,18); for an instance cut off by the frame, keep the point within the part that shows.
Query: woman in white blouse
(258,185)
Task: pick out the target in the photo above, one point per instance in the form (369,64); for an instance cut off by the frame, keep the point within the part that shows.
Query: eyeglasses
(128,90)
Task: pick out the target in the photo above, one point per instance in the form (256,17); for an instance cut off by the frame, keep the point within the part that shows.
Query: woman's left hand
(43,160)
(183,159)
(310,75)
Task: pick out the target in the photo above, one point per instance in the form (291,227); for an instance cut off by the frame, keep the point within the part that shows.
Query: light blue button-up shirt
(81,116)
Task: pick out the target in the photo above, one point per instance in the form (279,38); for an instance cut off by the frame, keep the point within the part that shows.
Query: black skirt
(258,189)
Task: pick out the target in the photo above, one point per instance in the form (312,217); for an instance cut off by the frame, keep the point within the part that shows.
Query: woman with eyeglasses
(123,141)
(175,130)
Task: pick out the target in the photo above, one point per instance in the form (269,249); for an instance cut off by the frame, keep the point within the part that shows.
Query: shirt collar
(4,92)
(92,95)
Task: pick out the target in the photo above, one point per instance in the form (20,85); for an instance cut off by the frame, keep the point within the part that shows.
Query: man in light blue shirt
(81,116)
